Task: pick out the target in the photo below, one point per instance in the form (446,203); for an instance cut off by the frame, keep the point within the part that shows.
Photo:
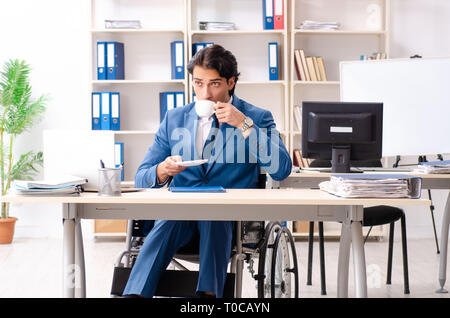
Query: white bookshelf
(364,29)
(253,85)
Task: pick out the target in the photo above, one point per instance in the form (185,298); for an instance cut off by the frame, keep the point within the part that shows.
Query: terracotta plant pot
(7,230)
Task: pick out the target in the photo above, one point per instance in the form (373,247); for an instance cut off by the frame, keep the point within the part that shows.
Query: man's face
(209,85)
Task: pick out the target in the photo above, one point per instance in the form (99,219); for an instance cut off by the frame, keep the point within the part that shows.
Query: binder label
(273,56)
(170,101)
(110,54)
(115,105)
(179,55)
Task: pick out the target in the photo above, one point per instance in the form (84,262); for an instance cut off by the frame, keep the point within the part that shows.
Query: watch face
(248,121)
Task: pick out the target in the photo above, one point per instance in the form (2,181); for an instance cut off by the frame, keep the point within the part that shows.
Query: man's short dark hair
(217,58)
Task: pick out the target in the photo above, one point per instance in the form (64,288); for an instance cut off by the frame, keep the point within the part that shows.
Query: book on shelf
(309,68)
(299,161)
(321,66)
(299,66)
(305,68)
(298,117)
(316,68)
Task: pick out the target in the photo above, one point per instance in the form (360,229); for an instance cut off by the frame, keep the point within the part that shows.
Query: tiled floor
(32,268)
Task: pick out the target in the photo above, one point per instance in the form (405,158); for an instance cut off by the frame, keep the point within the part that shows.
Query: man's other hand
(168,168)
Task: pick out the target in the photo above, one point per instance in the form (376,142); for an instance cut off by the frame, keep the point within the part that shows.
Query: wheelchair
(271,243)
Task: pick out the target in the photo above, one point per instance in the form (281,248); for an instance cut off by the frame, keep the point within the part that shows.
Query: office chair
(373,216)
(272,244)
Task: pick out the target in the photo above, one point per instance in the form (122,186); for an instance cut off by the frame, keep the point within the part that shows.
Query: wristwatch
(248,123)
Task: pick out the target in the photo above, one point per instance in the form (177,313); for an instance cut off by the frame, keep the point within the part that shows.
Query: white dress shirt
(203,128)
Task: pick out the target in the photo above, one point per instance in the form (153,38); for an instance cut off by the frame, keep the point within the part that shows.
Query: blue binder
(267,14)
(177,54)
(118,158)
(273,61)
(197,47)
(115,60)
(115,111)
(200,45)
(106,111)
(166,103)
(101,60)
(96,104)
(179,99)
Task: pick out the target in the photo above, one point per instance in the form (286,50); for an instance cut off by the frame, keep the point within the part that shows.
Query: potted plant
(18,112)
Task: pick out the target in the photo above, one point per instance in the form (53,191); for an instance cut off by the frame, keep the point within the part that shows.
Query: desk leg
(343,262)
(80,290)
(69,258)
(444,247)
(359,261)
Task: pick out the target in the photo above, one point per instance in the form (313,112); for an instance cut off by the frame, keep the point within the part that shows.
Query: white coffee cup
(204,108)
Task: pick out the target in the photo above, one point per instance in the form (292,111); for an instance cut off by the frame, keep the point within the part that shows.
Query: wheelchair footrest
(173,283)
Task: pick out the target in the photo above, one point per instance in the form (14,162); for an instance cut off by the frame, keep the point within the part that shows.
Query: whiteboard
(416,98)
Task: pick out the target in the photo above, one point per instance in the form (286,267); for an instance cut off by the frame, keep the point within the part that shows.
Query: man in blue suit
(238,140)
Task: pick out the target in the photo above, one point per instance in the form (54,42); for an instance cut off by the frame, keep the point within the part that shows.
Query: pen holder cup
(109,182)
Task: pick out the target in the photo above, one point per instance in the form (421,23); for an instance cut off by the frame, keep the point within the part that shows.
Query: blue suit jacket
(235,162)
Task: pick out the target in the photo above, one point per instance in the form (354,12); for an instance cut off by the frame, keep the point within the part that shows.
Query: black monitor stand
(340,159)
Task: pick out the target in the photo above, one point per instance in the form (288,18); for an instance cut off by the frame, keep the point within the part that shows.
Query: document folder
(278,17)
(268,14)
(101,60)
(177,54)
(374,186)
(118,158)
(96,107)
(115,60)
(273,61)
(115,111)
(166,103)
(106,111)
(210,189)
(200,45)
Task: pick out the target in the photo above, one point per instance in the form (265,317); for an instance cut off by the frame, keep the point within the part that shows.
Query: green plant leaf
(26,167)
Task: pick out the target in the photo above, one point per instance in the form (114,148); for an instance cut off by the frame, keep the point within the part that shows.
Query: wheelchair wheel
(277,268)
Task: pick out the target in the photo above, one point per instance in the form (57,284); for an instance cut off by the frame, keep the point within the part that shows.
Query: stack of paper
(373,186)
(316,25)
(122,24)
(434,167)
(216,26)
(61,185)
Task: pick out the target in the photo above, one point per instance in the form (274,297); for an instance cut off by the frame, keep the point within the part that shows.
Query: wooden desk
(311,179)
(235,204)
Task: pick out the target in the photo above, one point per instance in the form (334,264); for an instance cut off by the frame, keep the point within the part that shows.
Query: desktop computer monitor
(342,131)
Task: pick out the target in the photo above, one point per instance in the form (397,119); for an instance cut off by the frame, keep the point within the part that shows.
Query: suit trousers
(162,243)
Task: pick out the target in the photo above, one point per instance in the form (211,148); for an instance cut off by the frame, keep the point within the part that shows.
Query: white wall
(52,35)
